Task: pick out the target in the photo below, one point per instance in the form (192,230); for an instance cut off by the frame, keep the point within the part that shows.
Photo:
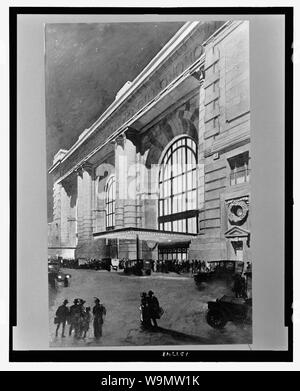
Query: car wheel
(216,319)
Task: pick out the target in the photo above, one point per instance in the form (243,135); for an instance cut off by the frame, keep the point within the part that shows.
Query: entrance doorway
(112,248)
(238,249)
(177,252)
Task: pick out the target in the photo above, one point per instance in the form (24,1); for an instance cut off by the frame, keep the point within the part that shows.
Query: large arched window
(177,209)
(110,202)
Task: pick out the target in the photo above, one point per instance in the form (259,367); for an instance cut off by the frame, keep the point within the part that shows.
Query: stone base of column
(127,249)
(208,249)
(91,249)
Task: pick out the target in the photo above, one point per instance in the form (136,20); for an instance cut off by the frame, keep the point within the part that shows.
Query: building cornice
(174,45)
(188,73)
(183,33)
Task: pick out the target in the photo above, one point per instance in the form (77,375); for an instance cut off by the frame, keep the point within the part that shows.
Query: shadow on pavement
(181,336)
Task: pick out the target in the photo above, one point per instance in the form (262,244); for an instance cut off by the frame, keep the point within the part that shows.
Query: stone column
(201,159)
(126,192)
(120,175)
(130,201)
(100,224)
(71,189)
(65,209)
(84,207)
(126,182)
(56,225)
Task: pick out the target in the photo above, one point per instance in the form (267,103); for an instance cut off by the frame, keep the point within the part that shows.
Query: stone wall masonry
(210,204)
(216,184)
(91,249)
(212,92)
(212,213)
(237,72)
(213,165)
(227,109)
(208,251)
(215,175)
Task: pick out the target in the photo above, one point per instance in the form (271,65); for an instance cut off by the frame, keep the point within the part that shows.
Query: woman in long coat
(99,311)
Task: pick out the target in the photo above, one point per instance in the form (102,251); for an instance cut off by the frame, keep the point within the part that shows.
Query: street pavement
(183,321)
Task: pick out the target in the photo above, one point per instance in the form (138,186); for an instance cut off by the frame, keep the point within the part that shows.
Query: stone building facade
(164,173)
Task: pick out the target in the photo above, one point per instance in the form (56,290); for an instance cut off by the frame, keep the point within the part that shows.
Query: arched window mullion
(178,188)
(110,200)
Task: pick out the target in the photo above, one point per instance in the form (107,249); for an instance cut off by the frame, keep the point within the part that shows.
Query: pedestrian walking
(86,319)
(74,309)
(239,286)
(153,308)
(145,314)
(99,311)
(61,317)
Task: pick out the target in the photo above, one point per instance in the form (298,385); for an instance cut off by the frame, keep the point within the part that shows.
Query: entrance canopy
(151,235)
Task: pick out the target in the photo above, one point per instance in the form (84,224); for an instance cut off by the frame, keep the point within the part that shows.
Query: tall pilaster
(121,179)
(130,202)
(65,211)
(56,224)
(84,207)
(126,182)
(100,218)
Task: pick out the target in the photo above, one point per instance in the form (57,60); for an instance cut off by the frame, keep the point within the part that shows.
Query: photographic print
(149,183)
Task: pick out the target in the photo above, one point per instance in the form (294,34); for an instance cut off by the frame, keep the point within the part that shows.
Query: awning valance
(145,234)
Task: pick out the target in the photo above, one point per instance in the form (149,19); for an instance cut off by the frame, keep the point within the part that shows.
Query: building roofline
(188,72)
(177,39)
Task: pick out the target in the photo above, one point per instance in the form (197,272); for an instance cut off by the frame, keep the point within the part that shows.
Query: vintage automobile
(138,267)
(101,264)
(227,309)
(218,270)
(56,276)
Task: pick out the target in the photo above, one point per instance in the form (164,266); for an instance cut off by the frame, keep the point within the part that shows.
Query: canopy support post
(137,247)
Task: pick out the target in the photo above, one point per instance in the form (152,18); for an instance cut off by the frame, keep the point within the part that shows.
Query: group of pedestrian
(150,310)
(79,318)
(177,266)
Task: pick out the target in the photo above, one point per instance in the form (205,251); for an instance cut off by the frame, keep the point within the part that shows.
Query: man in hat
(153,308)
(62,315)
(99,311)
(74,310)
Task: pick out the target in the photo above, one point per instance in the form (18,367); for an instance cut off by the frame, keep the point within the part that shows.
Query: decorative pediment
(237,232)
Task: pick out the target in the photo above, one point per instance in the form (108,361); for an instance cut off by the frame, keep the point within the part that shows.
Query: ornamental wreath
(233,216)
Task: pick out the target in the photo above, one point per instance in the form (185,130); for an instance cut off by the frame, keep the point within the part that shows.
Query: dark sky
(86,65)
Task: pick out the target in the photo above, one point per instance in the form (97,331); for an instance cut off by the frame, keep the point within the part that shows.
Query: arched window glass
(110,202)
(177,208)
